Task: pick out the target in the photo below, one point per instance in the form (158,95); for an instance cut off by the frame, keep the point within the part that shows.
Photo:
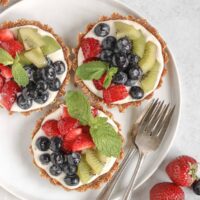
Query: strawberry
(85,129)
(12,47)
(6,71)
(91,47)
(67,124)
(182,170)
(9,94)
(50,128)
(2,81)
(5,35)
(67,145)
(99,83)
(73,134)
(115,93)
(94,112)
(65,113)
(166,191)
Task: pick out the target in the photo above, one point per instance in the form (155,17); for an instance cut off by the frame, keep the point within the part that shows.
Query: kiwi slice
(31,38)
(149,57)
(101,157)
(23,60)
(94,163)
(36,57)
(149,81)
(84,171)
(123,29)
(51,45)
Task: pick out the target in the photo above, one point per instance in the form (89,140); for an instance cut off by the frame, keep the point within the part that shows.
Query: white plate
(68,17)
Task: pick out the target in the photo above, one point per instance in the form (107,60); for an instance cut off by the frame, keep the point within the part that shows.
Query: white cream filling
(56,56)
(149,37)
(36,153)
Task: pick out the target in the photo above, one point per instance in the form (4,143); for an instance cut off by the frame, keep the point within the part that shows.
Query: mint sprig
(106,139)
(5,57)
(108,79)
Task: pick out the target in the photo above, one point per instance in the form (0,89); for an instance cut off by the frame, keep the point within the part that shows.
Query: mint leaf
(108,79)
(106,139)
(98,120)
(5,57)
(78,107)
(92,70)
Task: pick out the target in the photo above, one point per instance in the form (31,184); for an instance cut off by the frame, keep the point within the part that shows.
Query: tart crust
(66,51)
(116,16)
(98,181)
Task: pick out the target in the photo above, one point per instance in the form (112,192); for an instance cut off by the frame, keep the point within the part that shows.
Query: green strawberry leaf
(108,79)
(92,70)
(5,57)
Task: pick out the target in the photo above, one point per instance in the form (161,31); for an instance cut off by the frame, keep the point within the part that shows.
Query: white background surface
(179,23)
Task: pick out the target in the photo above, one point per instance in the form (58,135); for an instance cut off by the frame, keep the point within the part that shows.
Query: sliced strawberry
(12,47)
(6,71)
(73,134)
(115,93)
(67,124)
(9,94)
(5,35)
(85,129)
(50,128)
(99,83)
(67,145)
(2,81)
(91,47)
(94,112)
(65,113)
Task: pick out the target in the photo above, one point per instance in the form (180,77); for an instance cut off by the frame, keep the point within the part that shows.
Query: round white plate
(68,17)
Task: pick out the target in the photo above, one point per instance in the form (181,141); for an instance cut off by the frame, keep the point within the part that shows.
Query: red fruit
(2,81)
(5,35)
(94,112)
(50,128)
(182,170)
(73,134)
(65,113)
(99,83)
(6,71)
(85,129)
(67,145)
(166,191)
(91,47)
(67,124)
(12,47)
(115,93)
(9,94)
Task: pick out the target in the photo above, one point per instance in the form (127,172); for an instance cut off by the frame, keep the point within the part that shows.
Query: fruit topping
(115,93)
(65,113)
(2,81)
(135,73)
(106,55)
(136,92)
(99,83)
(42,97)
(6,35)
(24,103)
(43,143)
(6,71)
(102,29)
(55,170)
(74,158)
(30,69)
(49,73)
(56,144)
(120,78)
(50,128)
(124,45)
(73,134)
(101,157)
(196,187)
(69,169)
(109,43)
(121,61)
(41,85)
(71,180)
(59,67)
(54,85)
(45,158)
(57,158)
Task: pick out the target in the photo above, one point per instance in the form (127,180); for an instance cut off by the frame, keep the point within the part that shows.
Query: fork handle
(129,192)
(108,189)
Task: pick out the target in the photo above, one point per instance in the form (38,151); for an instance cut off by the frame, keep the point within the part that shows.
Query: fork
(151,132)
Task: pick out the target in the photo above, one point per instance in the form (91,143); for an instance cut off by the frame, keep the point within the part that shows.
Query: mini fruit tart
(33,66)
(76,145)
(120,60)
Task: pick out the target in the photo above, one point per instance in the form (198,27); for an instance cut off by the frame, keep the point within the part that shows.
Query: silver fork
(106,193)
(151,131)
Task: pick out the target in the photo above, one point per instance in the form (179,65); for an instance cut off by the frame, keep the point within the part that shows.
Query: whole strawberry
(166,191)
(182,170)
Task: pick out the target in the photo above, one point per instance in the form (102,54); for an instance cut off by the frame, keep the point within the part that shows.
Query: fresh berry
(94,112)
(59,67)
(43,143)
(44,158)
(24,103)
(102,29)
(73,134)
(55,170)
(39,74)
(120,60)
(9,94)
(41,85)
(131,83)
(115,93)
(166,191)
(50,128)
(91,48)
(56,144)
(12,47)
(120,78)
(73,158)
(30,69)
(42,97)
(6,35)
(136,92)
(182,170)
(124,45)
(86,129)
(67,124)
(72,180)
(106,55)
(54,85)
(29,92)
(2,81)
(67,146)
(109,43)
(69,169)
(133,59)
(57,158)
(99,83)
(135,73)
(196,187)
(6,71)
(50,73)
(65,113)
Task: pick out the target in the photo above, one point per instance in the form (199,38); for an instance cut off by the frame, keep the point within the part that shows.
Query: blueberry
(55,170)
(196,187)
(44,158)
(57,158)
(50,73)
(120,60)
(72,180)
(136,92)
(24,103)
(54,85)
(59,67)
(102,29)
(42,97)
(109,43)
(39,75)
(120,78)
(106,55)
(29,92)
(43,143)
(135,73)
(130,82)
(124,45)
(30,69)
(56,144)
(41,85)
(133,59)
(69,169)
(73,158)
